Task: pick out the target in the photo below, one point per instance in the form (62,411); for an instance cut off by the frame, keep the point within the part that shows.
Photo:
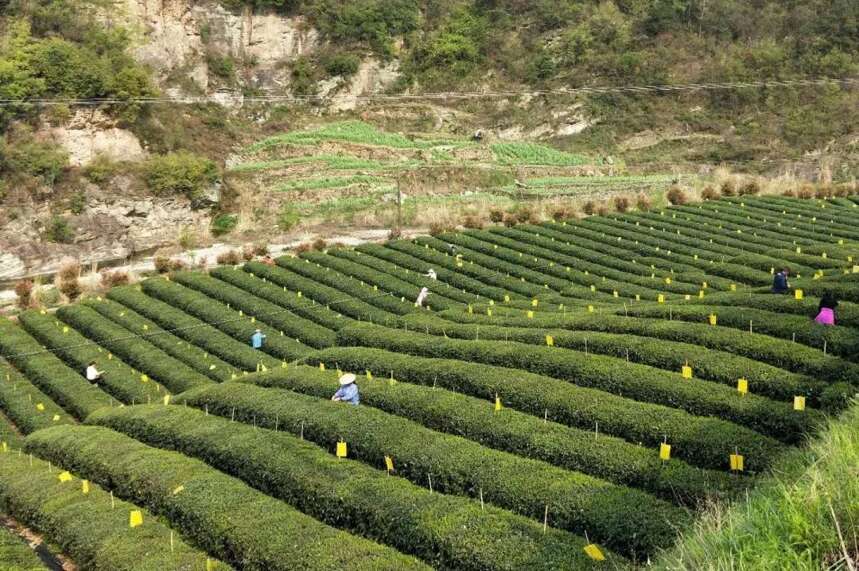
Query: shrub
(111,279)
(789,193)
(509,221)
(525,214)
(319,244)
(229,258)
(562,213)
(750,188)
(248,252)
(100,169)
(589,208)
(24,291)
(292,539)
(496,215)
(69,286)
(676,196)
(59,231)
(260,249)
(288,217)
(395,233)
(823,191)
(224,224)
(162,264)
(473,221)
(179,173)
(343,64)
(77,203)
(303,247)
(602,210)
(436,228)
(709,193)
(642,203)
(729,188)
(621,203)
(806,192)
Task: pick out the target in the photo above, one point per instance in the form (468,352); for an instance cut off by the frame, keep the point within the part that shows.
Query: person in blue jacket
(780,283)
(257,339)
(348,391)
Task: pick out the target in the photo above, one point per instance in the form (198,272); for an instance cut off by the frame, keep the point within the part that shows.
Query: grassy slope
(805,517)
(15,555)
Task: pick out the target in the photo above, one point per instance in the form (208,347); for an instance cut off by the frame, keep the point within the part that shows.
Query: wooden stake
(546,518)
(481,499)
(429,477)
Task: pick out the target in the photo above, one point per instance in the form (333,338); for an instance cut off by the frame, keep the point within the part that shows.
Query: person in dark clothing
(826,310)
(780,283)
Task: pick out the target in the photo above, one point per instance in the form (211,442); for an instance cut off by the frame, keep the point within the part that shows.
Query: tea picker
(422,296)
(257,339)
(348,391)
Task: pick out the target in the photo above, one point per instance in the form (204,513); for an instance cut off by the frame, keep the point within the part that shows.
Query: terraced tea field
(570,396)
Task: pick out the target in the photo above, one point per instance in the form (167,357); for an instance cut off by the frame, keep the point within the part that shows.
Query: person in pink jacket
(826,310)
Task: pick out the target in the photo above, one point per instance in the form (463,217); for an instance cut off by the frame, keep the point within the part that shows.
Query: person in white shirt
(419,302)
(432,275)
(93,375)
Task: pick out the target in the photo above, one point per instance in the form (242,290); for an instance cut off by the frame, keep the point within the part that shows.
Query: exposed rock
(11,266)
(372,77)
(90,133)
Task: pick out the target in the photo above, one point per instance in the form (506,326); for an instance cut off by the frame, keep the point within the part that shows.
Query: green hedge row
(68,389)
(91,528)
(385,282)
(353,496)
(397,252)
(227,320)
(348,286)
(606,457)
(327,297)
(847,312)
(221,514)
(303,306)
(416,278)
(20,400)
(194,331)
(718,366)
(777,352)
(16,555)
(133,349)
(9,433)
(843,341)
(119,379)
(276,316)
(196,358)
(844,218)
(644,246)
(616,376)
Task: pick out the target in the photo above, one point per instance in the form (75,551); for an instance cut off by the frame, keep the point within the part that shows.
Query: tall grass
(534,154)
(356,132)
(804,517)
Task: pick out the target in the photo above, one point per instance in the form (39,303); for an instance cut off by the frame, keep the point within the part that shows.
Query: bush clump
(621,204)
(224,224)
(229,258)
(709,193)
(24,292)
(643,203)
(750,188)
(676,196)
(179,173)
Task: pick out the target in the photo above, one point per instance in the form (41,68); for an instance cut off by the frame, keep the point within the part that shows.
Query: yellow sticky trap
(4,447)
(687,297)
(668,281)
(593,288)
(686,371)
(145,327)
(253,319)
(110,356)
(590,309)
(701,294)
(497,403)
(615,294)
(798,294)
(369,375)
(375,287)
(664,451)
(210,565)
(135,518)
(389,464)
(489,312)
(714,319)
(506,299)
(178,489)
(550,341)
(341,449)
(241,313)
(85,486)
(742,386)
(144,378)
(491,302)
(637,297)
(299,294)
(798,403)
(594,552)
(703,285)
(56,417)
(736,462)
(823,255)
(733,287)
(321,366)
(65,329)
(661,298)
(65,476)
(40,407)
(535,302)
(856,269)
(798,250)
(530,314)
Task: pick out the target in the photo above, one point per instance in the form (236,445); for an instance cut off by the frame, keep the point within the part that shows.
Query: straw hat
(347,379)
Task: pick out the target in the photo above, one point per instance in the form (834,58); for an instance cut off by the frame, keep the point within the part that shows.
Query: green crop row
(709,365)
(307,308)
(846,219)
(227,320)
(616,376)
(606,457)
(777,352)
(92,528)
(701,441)
(353,496)
(16,555)
(419,279)
(221,514)
(192,330)
(577,503)
(133,349)
(25,405)
(264,311)
(385,282)
(119,379)
(347,286)
(68,388)
(843,341)
(174,346)
(328,297)
(9,435)
(398,253)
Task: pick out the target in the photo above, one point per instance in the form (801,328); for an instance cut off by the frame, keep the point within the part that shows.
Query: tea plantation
(571,395)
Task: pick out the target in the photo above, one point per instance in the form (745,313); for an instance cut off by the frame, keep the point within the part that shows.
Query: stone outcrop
(91,133)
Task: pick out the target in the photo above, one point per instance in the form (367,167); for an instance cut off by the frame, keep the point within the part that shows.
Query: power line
(462,95)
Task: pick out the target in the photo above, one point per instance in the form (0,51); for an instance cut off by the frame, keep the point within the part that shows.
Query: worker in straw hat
(348,391)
